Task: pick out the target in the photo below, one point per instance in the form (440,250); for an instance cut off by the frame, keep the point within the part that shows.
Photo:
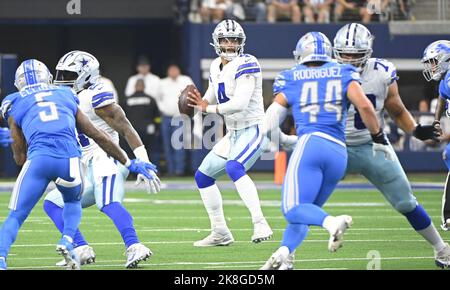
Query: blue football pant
(31,183)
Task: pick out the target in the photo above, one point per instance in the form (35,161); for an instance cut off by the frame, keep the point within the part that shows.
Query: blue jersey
(318,96)
(444,86)
(46,115)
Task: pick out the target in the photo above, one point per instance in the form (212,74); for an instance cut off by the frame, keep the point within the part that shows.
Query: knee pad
(406,206)
(235,170)
(203,180)
(70,194)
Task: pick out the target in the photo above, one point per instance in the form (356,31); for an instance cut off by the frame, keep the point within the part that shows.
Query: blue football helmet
(313,46)
(436,60)
(32,72)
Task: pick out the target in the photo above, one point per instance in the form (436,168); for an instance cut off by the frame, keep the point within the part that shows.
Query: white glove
(385,149)
(152,185)
(288,142)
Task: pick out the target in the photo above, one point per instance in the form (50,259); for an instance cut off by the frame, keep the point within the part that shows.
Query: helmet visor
(66,78)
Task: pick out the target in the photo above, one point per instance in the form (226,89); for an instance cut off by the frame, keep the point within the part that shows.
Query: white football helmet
(355,39)
(77,69)
(228,29)
(31,72)
(313,46)
(436,60)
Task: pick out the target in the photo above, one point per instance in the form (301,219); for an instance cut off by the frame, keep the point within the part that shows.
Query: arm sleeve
(209,95)
(102,99)
(275,115)
(242,94)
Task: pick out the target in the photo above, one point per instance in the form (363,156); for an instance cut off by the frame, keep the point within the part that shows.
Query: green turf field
(172,220)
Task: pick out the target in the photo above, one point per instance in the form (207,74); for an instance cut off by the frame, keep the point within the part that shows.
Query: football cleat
(342,223)
(277,260)
(85,253)
(442,258)
(215,239)
(288,263)
(446,225)
(261,232)
(135,254)
(65,248)
(3,263)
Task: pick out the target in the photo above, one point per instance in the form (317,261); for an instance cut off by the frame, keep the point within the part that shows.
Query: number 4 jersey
(222,88)
(46,115)
(376,77)
(318,96)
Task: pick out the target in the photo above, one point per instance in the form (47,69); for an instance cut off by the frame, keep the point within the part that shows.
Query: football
(183,101)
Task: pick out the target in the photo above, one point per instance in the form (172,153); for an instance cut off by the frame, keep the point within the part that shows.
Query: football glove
(427,132)
(151,185)
(381,144)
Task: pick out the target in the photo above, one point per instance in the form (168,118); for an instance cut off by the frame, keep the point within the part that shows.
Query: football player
(436,60)
(319,91)
(234,91)
(104,177)
(353,45)
(42,119)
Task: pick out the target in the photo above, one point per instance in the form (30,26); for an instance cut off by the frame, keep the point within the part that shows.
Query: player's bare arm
(397,110)
(356,95)
(115,117)
(403,118)
(19,146)
(102,139)
(440,108)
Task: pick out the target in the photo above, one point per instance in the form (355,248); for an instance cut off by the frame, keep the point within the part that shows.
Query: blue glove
(5,137)
(139,167)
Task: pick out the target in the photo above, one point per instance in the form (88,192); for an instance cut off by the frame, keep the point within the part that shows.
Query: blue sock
(294,235)
(56,215)
(71,218)
(8,232)
(418,218)
(123,221)
(307,214)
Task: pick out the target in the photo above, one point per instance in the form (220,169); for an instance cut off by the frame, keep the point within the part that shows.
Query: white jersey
(94,97)
(376,77)
(222,86)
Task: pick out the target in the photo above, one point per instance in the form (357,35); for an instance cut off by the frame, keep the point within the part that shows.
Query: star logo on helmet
(84,61)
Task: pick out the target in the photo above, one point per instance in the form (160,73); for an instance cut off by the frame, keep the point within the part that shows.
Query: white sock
(328,223)
(432,236)
(249,195)
(212,199)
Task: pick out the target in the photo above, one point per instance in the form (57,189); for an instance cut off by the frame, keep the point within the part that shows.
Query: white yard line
(227,264)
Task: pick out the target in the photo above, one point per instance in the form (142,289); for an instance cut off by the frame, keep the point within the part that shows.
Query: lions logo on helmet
(227,34)
(77,69)
(313,46)
(353,44)
(32,72)
(436,60)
